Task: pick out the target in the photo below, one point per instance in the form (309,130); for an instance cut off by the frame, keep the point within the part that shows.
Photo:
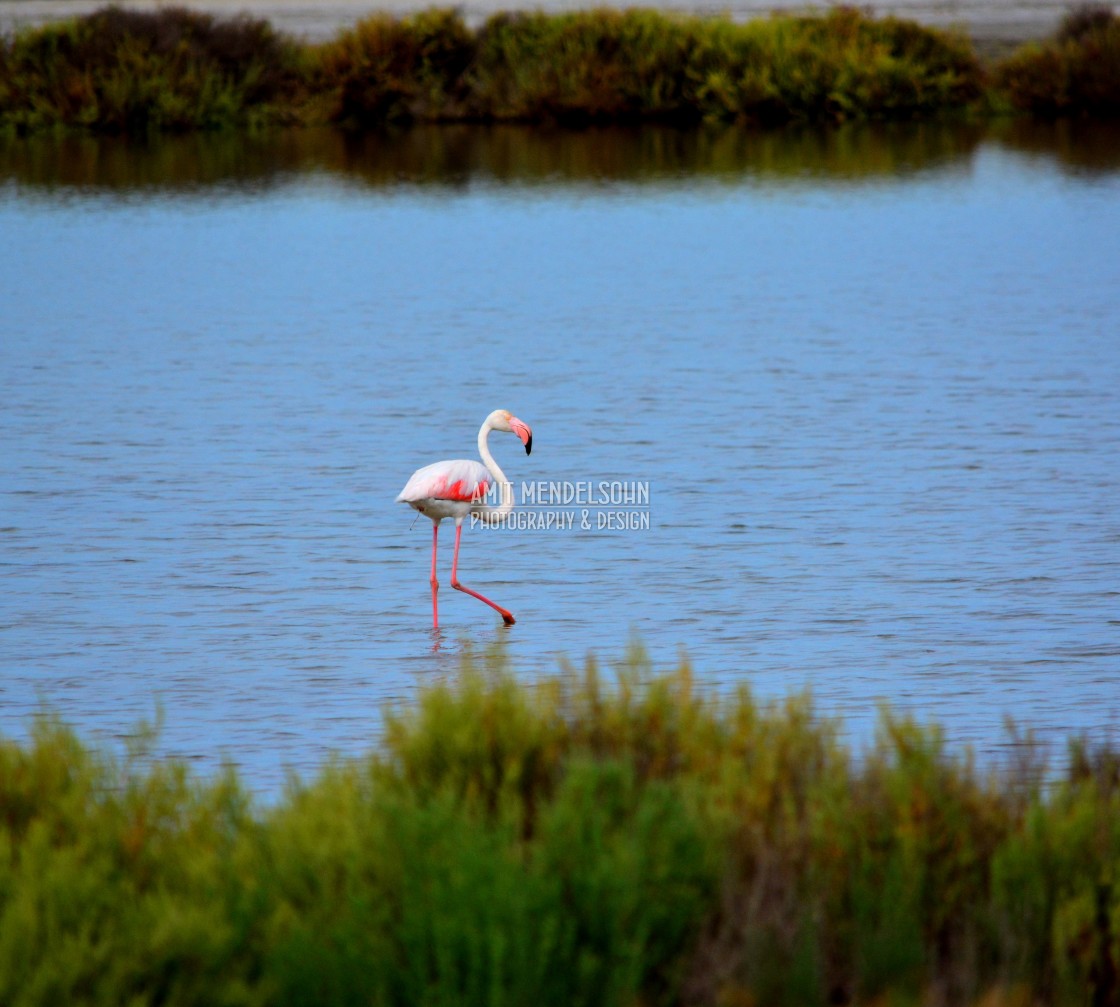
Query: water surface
(871,378)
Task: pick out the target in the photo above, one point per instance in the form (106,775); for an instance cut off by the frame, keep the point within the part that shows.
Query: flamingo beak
(522,430)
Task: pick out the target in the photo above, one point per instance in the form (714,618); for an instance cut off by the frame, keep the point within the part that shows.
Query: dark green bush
(388,70)
(174,69)
(1076,73)
(613,65)
(130,71)
(120,70)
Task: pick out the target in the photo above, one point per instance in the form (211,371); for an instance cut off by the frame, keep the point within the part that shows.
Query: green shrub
(121,70)
(117,884)
(581,840)
(631,65)
(1076,73)
(431,900)
(175,69)
(131,71)
(388,70)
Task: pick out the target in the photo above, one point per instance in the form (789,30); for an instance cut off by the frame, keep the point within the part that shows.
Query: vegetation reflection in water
(525,155)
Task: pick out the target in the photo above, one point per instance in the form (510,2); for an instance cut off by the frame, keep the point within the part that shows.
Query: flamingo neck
(492,514)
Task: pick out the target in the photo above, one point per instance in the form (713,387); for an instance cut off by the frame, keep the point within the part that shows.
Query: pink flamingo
(455,489)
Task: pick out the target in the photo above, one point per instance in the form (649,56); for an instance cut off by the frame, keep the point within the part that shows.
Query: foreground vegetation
(568,842)
(120,70)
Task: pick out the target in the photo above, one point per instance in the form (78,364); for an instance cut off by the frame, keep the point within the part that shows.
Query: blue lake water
(870,378)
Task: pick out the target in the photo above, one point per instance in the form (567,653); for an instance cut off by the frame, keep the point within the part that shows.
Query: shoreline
(995,26)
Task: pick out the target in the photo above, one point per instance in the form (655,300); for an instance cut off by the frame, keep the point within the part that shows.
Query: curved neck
(488,513)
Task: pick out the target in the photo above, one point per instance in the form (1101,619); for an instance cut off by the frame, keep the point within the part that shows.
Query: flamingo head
(503,419)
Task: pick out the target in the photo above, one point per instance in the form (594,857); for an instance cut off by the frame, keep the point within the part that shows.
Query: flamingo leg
(507,618)
(434,582)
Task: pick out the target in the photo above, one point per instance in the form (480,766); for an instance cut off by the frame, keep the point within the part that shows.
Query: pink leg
(509,620)
(434,582)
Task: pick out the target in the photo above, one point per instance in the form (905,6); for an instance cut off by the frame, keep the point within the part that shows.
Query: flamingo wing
(460,480)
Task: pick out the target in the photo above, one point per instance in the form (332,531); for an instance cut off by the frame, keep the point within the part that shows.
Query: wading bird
(455,489)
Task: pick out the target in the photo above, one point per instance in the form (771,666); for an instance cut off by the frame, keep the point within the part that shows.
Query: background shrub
(120,70)
(1076,73)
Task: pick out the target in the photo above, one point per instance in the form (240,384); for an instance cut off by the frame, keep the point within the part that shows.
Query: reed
(586,839)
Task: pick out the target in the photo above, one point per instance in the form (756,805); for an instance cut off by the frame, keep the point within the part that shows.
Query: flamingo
(454,489)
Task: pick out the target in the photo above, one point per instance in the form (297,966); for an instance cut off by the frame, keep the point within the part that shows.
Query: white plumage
(459,480)
(455,489)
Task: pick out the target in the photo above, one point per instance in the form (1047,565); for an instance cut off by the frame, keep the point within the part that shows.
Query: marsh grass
(131,71)
(174,69)
(386,70)
(118,70)
(1075,73)
(641,65)
(585,839)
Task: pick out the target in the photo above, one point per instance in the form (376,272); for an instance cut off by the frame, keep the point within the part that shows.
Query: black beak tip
(529,445)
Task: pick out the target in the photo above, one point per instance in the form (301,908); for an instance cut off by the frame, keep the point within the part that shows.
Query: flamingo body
(447,489)
(455,489)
